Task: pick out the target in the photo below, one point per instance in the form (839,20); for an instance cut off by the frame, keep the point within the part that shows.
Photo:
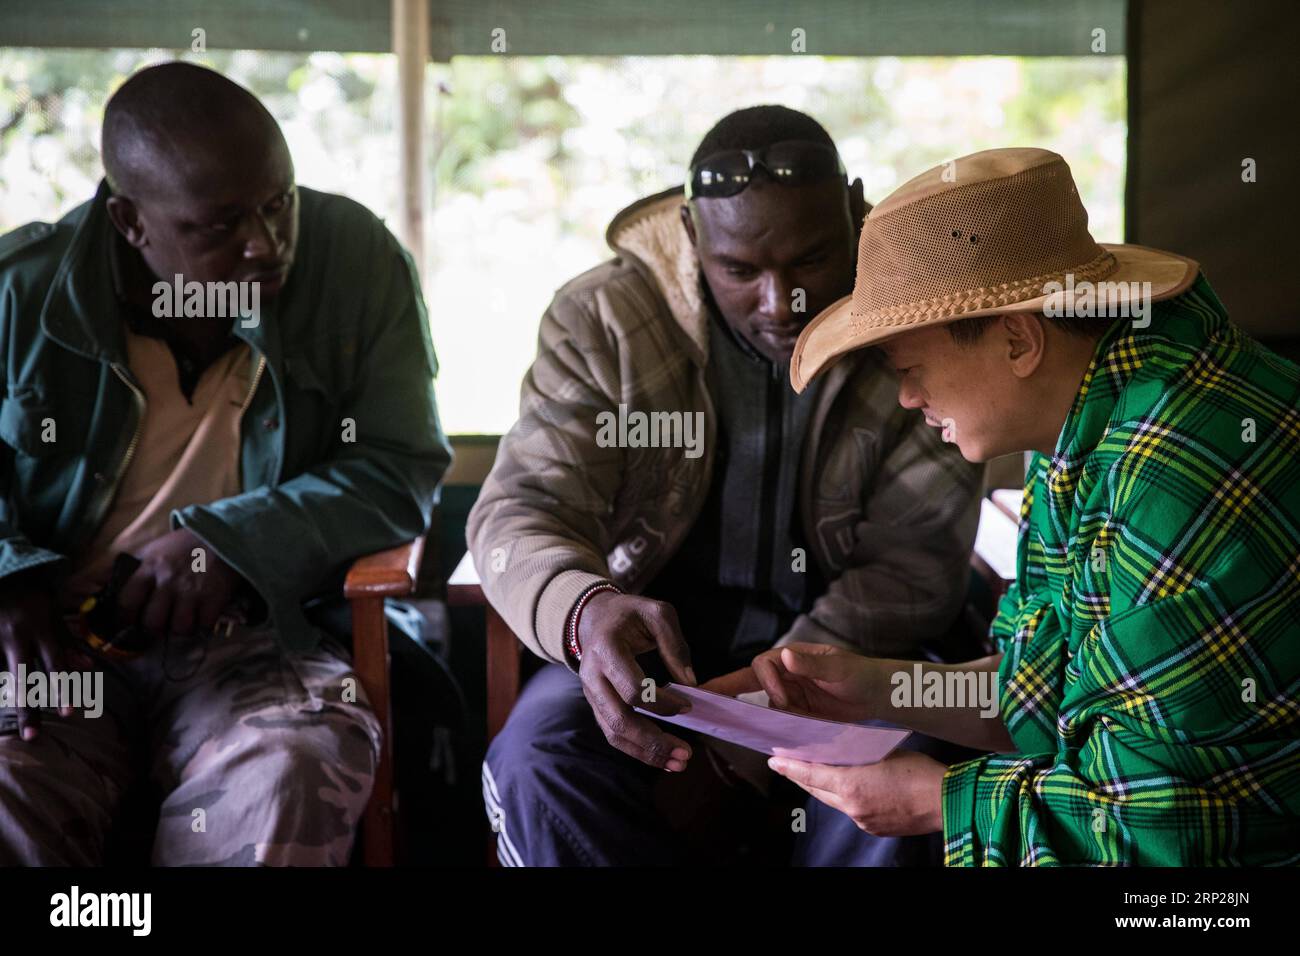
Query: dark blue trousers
(558,794)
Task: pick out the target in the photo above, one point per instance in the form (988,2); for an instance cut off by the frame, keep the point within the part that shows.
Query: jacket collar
(1182,324)
(649,233)
(81,311)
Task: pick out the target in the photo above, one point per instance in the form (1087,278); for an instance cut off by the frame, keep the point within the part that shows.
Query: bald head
(170,125)
(201,178)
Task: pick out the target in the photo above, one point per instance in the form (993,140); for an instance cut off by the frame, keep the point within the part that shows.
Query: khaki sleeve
(539,532)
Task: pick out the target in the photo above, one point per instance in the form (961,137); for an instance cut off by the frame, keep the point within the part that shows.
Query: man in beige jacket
(665,490)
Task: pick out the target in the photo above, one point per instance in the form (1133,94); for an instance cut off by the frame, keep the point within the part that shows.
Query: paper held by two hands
(751,723)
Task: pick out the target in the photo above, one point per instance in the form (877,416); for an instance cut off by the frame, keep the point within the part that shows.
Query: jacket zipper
(252,388)
(773,428)
(243,409)
(111,490)
(106,496)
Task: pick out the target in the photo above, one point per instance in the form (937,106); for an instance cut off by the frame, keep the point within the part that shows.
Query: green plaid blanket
(1151,669)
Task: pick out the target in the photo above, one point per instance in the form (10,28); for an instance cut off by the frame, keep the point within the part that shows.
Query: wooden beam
(411,44)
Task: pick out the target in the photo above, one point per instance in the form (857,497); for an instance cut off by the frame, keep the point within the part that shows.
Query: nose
(261,241)
(775,305)
(910,395)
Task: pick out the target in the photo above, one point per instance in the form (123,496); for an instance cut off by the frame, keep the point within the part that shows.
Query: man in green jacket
(218,390)
(1149,651)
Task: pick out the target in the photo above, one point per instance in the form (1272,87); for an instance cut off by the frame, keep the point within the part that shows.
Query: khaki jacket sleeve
(539,532)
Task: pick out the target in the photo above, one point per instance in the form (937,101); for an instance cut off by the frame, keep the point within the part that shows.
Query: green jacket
(1151,642)
(347,338)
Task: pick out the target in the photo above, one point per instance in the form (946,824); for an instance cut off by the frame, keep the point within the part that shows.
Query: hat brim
(831,333)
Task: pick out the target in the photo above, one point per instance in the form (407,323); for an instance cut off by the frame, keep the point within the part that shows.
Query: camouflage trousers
(261,758)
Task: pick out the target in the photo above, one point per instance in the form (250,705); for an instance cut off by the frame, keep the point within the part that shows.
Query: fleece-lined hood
(650,234)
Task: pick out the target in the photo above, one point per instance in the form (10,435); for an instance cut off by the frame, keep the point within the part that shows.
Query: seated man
(196,473)
(665,490)
(1149,650)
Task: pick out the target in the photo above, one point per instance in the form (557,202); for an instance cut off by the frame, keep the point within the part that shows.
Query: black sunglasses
(791,162)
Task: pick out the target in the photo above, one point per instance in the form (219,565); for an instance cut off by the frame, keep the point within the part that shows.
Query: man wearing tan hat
(1148,658)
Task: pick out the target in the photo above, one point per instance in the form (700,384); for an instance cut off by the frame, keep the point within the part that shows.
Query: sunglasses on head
(791,162)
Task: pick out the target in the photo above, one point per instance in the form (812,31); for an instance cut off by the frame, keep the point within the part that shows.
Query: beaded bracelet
(571,639)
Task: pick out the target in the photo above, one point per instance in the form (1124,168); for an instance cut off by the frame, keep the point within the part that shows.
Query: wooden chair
(385,574)
(464,589)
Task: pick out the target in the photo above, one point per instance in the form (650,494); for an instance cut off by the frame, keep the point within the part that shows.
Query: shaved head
(773,256)
(175,119)
(201,179)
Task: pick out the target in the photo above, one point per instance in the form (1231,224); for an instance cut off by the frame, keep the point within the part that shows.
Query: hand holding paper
(815,679)
(783,734)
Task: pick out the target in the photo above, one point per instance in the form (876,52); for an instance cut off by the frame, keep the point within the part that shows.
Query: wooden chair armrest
(390,573)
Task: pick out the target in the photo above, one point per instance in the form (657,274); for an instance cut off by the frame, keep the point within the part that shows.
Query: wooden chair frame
(371,579)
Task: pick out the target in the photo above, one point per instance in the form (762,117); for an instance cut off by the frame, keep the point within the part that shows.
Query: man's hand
(815,679)
(900,796)
(743,681)
(166,594)
(613,629)
(31,634)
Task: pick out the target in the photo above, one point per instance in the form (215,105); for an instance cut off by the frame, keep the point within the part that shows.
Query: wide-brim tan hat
(982,235)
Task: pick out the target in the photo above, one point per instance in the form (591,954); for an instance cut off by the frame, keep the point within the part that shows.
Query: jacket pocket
(27,423)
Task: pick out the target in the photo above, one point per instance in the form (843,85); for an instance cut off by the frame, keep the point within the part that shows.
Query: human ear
(126,219)
(859,208)
(1025,342)
(688,223)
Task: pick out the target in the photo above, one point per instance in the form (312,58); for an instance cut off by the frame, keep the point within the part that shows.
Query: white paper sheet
(783,734)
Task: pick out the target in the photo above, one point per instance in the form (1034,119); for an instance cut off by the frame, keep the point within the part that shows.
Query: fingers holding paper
(742,681)
(818,679)
(899,796)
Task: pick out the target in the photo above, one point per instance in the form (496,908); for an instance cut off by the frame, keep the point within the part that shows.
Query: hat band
(981,297)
